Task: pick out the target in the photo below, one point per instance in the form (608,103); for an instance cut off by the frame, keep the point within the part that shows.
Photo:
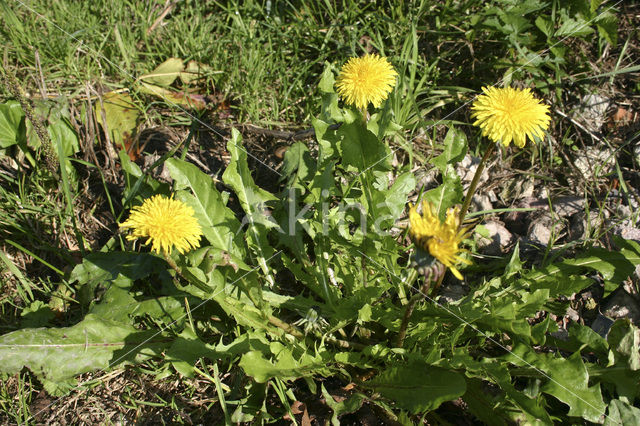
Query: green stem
(409,311)
(202,286)
(474,182)
(434,291)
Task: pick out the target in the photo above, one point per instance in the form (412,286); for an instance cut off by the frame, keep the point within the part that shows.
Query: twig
(163,14)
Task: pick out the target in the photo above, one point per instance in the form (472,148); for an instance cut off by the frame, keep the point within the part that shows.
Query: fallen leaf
(121,117)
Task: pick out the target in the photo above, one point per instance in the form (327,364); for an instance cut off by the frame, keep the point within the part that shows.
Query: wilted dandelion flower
(510,114)
(441,239)
(365,80)
(165,223)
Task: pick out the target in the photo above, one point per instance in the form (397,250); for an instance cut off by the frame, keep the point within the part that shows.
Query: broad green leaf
(219,225)
(391,202)
(418,387)
(252,198)
(621,413)
(58,354)
(346,406)
(573,28)
(568,381)
(37,314)
(286,367)
(545,25)
(446,195)
(455,148)
(12,125)
(61,133)
(624,341)
(361,148)
(298,166)
(99,266)
(330,110)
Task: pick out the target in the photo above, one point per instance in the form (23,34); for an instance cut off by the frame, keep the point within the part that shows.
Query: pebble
(499,240)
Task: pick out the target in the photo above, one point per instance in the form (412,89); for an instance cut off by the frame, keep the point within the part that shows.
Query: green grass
(265,58)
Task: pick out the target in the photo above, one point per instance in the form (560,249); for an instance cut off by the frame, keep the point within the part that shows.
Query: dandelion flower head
(165,223)
(441,239)
(508,114)
(365,80)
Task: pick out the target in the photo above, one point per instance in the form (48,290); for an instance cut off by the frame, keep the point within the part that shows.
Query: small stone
(543,228)
(580,229)
(499,240)
(621,304)
(481,202)
(594,162)
(568,206)
(572,314)
(627,232)
(592,111)
(466,169)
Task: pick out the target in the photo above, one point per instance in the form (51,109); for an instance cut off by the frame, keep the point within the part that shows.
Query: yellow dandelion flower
(365,80)
(510,114)
(165,223)
(441,239)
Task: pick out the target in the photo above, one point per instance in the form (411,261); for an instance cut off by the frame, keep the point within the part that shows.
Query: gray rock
(592,111)
(621,304)
(594,161)
(466,169)
(499,241)
(568,206)
(543,228)
(580,228)
(627,232)
(481,202)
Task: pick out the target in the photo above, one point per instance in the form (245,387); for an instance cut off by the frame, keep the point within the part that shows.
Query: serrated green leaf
(99,266)
(446,195)
(238,176)
(346,406)
(361,149)
(195,188)
(298,165)
(621,413)
(455,148)
(568,381)
(418,387)
(624,341)
(286,367)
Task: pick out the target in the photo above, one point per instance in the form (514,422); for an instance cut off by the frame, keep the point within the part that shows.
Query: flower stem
(435,288)
(474,182)
(409,309)
(196,282)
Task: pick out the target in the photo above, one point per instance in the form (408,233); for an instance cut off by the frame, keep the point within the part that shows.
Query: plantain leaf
(12,125)
(56,355)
